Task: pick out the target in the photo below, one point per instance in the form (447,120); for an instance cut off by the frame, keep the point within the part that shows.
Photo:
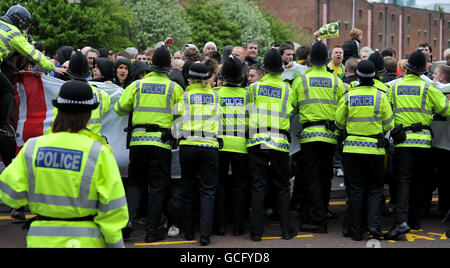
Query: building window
(346,25)
(381,15)
(392,39)
(408,40)
(409,19)
(380,38)
(393,17)
(360,13)
(435,23)
(449,24)
(418,33)
(425,34)
(435,43)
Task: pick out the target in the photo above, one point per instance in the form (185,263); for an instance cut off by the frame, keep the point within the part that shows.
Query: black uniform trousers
(149,173)
(6,98)
(440,161)
(316,173)
(260,157)
(364,183)
(199,174)
(411,167)
(238,184)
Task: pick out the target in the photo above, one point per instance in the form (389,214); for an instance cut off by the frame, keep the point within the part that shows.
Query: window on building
(435,23)
(360,13)
(435,42)
(393,17)
(409,19)
(418,33)
(425,34)
(408,40)
(381,15)
(392,39)
(449,24)
(380,38)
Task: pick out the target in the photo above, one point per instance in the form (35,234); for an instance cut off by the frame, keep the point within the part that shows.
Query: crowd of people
(210,134)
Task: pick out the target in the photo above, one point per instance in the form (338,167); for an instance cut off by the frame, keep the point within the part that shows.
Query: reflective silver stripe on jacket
(11,192)
(100,107)
(65,231)
(308,100)
(410,109)
(167,109)
(82,201)
(119,244)
(6,41)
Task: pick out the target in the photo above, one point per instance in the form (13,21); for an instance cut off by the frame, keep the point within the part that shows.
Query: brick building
(384,25)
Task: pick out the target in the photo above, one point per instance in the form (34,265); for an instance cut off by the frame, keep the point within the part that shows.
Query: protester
(391,69)
(122,71)
(103,70)
(352,47)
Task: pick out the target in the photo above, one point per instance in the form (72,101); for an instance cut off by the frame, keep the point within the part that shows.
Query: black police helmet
(20,17)
(231,70)
(78,66)
(378,61)
(199,71)
(161,60)
(273,62)
(417,62)
(75,97)
(319,54)
(366,69)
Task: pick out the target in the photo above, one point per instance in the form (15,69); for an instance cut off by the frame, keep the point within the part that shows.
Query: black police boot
(312,228)
(205,240)
(397,230)
(255,237)
(289,235)
(154,237)
(126,232)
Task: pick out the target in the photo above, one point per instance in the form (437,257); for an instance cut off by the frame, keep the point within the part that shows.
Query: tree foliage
(208,23)
(155,20)
(97,23)
(248,17)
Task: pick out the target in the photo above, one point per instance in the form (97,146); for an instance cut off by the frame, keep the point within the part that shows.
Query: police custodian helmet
(75,97)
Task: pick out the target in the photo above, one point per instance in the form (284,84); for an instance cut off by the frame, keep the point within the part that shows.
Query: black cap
(319,54)
(366,69)
(273,62)
(78,66)
(161,60)
(231,70)
(417,62)
(75,97)
(199,71)
(378,61)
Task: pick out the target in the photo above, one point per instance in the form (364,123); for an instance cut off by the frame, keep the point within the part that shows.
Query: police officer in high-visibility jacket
(234,101)
(268,143)
(79,70)
(414,103)
(14,26)
(199,127)
(318,93)
(151,101)
(365,114)
(69,179)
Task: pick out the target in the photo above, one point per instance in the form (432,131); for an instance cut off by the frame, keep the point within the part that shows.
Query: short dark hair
(192,54)
(214,55)
(351,64)
(39,46)
(302,52)
(284,47)
(258,68)
(425,44)
(103,52)
(212,65)
(123,53)
(251,42)
(390,64)
(445,70)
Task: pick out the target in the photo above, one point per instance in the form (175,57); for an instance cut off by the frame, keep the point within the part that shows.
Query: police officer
(234,101)
(14,26)
(79,70)
(365,114)
(318,93)
(269,139)
(377,59)
(75,187)
(151,101)
(414,102)
(199,126)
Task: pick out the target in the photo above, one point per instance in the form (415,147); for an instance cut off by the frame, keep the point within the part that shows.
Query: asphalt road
(432,235)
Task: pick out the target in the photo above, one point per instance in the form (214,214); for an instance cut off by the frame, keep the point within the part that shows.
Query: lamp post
(353,14)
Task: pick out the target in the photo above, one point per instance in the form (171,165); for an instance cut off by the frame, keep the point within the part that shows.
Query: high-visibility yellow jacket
(235,103)
(377,83)
(272,105)
(364,111)
(95,123)
(201,116)
(415,101)
(12,40)
(151,100)
(318,94)
(65,176)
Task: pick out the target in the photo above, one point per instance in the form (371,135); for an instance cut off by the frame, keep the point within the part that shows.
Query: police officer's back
(74,187)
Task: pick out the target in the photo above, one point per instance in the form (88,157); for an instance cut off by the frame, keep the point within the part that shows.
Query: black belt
(330,125)
(417,128)
(382,142)
(28,223)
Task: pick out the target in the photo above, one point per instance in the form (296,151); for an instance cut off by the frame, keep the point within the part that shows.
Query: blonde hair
(355,33)
(205,83)
(402,65)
